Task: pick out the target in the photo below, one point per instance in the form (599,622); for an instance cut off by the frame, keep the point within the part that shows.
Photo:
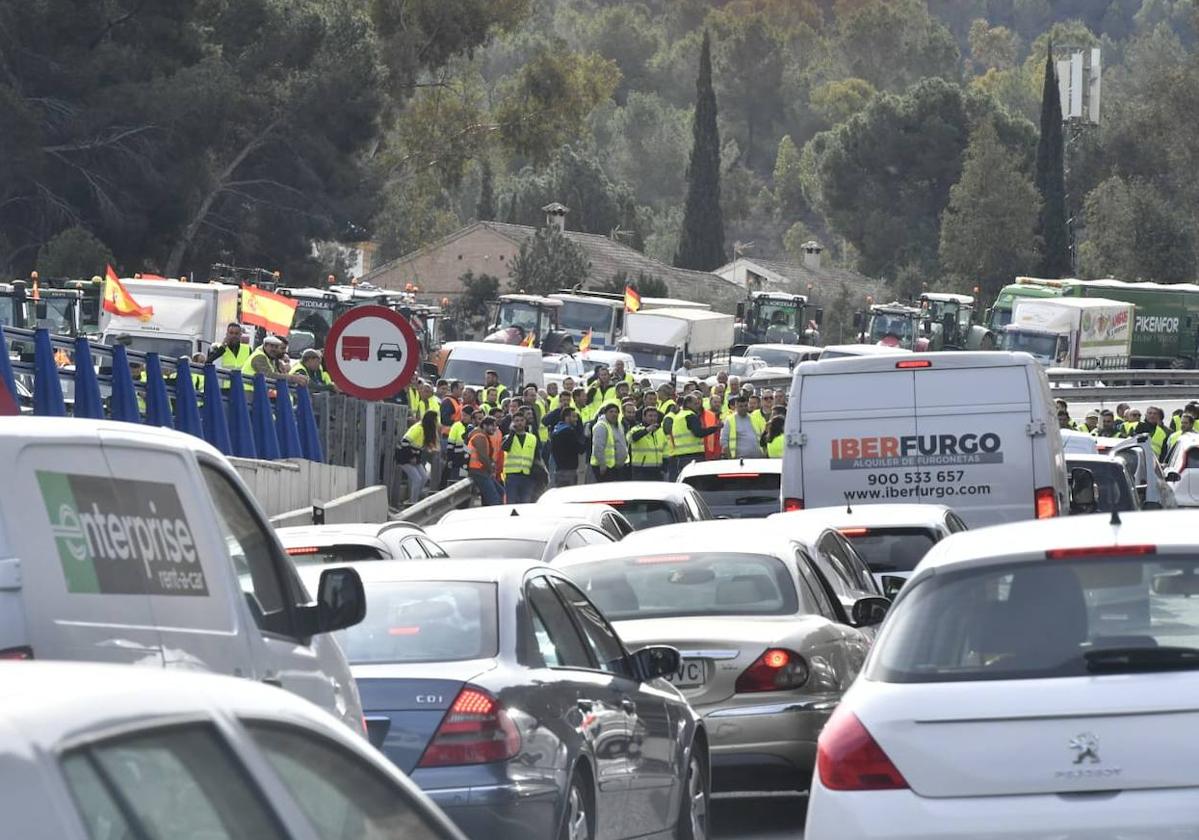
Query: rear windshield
(645,513)
(739,489)
(667,585)
(1115,488)
(528,549)
(308,555)
(1050,618)
(892,549)
(424,621)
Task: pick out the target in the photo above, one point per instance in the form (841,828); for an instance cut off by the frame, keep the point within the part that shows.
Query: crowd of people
(1127,422)
(609,427)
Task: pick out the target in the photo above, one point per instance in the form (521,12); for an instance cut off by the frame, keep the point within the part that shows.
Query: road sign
(371,352)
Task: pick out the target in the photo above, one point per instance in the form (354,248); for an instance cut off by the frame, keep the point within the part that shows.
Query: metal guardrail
(1112,386)
(1110,378)
(429,511)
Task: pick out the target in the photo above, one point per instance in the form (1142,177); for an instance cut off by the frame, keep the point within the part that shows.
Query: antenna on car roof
(515,512)
(848,505)
(1115,517)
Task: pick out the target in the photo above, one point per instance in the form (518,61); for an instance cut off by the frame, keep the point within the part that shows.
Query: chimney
(555,215)
(811,254)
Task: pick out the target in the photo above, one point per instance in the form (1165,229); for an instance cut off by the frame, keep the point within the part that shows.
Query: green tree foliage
(485,209)
(645,145)
(988,229)
(546,262)
(1051,180)
(478,290)
(893,43)
(1134,233)
(837,101)
(788,179)
(701,243)
(648,285)
(628,35)
(73,253)
(749,62)
(992,47)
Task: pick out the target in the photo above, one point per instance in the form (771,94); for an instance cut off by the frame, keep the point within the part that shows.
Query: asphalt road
(758,818)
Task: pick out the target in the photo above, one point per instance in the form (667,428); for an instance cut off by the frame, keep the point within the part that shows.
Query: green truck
(1165,331)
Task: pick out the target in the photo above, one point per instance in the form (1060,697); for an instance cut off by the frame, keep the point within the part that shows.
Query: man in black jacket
(567,442)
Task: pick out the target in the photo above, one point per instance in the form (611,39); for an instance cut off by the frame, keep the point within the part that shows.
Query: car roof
(482,349)
(495,570)
(78,430)
(732,465)
(868,516)
(504,527)
(620,491)
(1171,530)
(732,535)
(328,534)
(789,348)
(864,350)
(954,360)
(1093,458)
(533,510)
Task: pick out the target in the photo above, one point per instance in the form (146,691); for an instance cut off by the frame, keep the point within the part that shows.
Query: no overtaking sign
(371,352)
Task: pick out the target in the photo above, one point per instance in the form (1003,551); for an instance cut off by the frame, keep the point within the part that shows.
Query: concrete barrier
(286,486)
(367,505)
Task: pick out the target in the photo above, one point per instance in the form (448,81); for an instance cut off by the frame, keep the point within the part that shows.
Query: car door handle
(628,705)
(585,705)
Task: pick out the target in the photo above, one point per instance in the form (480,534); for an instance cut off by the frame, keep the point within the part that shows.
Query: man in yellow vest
(609,448)
(647,447)
(232,354)
(310,367)
(740,437)
(267,360)
(687,432)
(491,379)
(521,450)
(619,374)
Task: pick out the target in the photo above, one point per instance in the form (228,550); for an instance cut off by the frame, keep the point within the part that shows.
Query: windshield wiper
(1127,660)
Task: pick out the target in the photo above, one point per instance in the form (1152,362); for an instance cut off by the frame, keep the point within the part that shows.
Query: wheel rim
(699,801)
(577,828)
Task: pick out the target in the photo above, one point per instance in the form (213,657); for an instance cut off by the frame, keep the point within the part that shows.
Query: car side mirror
(656,661)
(340,601)
(869,611)
(1173,477)
(891,585)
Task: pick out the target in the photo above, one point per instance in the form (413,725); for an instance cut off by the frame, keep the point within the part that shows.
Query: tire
(578,823)
(695,804)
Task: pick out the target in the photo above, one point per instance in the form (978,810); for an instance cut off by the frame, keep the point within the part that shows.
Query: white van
(977,431)
(131,544)
(469,361)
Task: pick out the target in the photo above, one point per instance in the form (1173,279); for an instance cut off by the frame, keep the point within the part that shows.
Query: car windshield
(891,549)
(1035,344)
(1000,318)
(313,319)
(1048,618)
(649,356)
(424,621)
(705,583)
(56,314)
(473,372)
(166,348)
(504,547)
(737,488)
(644,513)
(319,555)
(784,316)
(744,365)
(772,356)
(580,316)
(518,315)
(883,325)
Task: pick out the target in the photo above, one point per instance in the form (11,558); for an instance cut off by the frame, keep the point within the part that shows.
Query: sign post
(371,353)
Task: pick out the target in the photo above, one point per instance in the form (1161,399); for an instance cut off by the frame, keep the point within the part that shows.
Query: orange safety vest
(472,447)
(711,442)
(445,430)
(497,446)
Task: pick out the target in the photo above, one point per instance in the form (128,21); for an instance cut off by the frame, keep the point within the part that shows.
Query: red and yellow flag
(118,301)
(528,342)
(632,300)
(585,342)
(268,310)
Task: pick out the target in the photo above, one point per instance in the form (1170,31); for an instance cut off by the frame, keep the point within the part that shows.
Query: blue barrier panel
(187,413)
(10,403)
(158,402)
(123,403)
(216,426)
(310,439)
(263,423)
(47,390)
(88,402)
(241,436)
(285,421)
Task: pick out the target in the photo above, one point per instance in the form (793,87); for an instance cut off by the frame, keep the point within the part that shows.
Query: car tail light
(913,363)
(790,504)
(16,654)
(661,558)
(854,532)
(299,550)
(848,757)
(1100,551)
(1045,503)
(739,475)
(476,730)
(775,670)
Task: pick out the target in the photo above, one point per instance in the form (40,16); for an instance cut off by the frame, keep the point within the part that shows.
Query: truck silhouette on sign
(356,347)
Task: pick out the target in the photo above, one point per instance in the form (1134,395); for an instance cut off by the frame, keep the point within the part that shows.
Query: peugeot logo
(1086,747)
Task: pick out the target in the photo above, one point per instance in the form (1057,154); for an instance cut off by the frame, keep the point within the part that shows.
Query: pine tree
(485,209)
(701,243)
(1051,180)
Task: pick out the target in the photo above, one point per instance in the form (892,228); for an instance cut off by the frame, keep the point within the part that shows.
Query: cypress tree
(1051,180)
(485,209)
(701,243)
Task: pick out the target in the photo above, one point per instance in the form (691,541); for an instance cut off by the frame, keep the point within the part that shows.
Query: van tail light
(476,730)
(790,504)
(1100,551)
(848,757)
(775,670)
(1045,503)
(16,654)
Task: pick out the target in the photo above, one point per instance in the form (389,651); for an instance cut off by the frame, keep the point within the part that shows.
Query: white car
(593,359)
(784,355)
(556,367)
(601,516)
(841,351)
(736,488)
(111,751)
(1182,470)
(1033,680)
(311,545)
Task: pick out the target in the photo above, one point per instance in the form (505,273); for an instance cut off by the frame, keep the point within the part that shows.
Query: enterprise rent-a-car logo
(120,536)
(865,453)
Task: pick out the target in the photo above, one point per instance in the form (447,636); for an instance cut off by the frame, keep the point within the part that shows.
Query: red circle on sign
(333,364)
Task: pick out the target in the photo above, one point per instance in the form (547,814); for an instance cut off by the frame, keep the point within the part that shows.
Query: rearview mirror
(869,611)
(1173,477)
(656,661)
(891,585)
(340,601)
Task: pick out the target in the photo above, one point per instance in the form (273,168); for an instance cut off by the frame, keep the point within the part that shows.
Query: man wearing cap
(310,366)
(266,360)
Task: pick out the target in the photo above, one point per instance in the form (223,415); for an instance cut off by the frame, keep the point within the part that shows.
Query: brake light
(790,504)
(1045,503)
(613,502)
(476,730)
(661,558)
(854,532)
(848,757)
(1100,551)
(775,670)
(16,654)
(296,551)
(908,364)
(403,631)
(738,475)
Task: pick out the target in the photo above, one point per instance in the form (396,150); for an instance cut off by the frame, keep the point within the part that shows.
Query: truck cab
(777,318)
(950,322)
(599,313)
(1049,348)
(893,325)
(530,321)
(59,310)
(316,310)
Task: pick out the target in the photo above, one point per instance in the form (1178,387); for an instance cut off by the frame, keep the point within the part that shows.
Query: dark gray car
(502,691)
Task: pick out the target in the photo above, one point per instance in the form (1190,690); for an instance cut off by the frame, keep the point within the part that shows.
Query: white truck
(1083,333)
(677,343)
(187,319)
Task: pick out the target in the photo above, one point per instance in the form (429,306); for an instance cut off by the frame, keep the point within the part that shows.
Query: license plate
(691,673)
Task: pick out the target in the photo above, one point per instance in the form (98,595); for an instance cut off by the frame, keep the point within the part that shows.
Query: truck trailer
(1082,333)
(678,343)
(188,317)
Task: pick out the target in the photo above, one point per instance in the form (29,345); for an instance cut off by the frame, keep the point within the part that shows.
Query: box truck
(1083,333)
(187,319)
(677,343)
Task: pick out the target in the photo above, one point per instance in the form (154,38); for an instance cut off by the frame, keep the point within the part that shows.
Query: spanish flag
(268,310)
(118,301)
(528,342)
(632,300)
(585,342)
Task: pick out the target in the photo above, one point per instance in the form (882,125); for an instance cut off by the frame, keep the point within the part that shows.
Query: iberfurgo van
(975,431)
